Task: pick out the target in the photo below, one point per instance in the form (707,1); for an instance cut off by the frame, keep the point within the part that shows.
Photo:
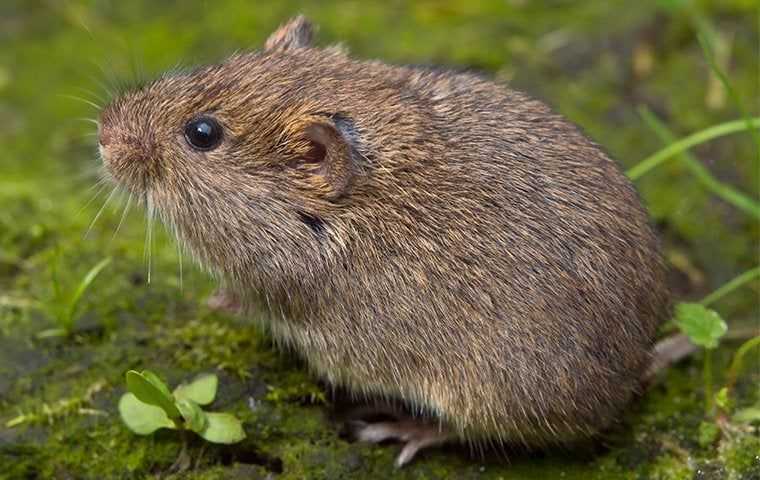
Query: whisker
(87,29)
(179,254)
(86,173)
(79,20)
(135,64)
(100,83)
(65,182)
(92,94)
(84,100)
(100,185)
(100,212)
(149,234)
(88,120)
(123,216)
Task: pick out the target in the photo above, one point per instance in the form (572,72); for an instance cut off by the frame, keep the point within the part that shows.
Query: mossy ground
(593,61)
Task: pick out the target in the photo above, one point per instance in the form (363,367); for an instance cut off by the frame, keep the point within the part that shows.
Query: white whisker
(179,254)
(100,83)
(93,94)
(123,216)
(87,173)
(150,214)
(88,102)
(88,120)
(80,21)
(100,212)
(99,186)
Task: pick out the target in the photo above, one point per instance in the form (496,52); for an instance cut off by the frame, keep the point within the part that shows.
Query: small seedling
(64,306)
(704,327)
(149,405)
(723,398)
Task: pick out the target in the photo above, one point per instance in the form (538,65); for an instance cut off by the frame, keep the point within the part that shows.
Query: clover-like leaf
(747,415)
(157,382)
(195,418)
(703,326)
(202,390)
(222,428)
(142,418)
(148,388)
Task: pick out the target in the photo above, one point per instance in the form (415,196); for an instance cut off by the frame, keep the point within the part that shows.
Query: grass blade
(82,287)
(707,50)
(732,285)
(702,136)
(722,190)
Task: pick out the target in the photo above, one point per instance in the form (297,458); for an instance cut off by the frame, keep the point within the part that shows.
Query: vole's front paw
(414,434)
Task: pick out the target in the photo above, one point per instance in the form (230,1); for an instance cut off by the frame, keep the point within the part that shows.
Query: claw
(409,451)
(414,434)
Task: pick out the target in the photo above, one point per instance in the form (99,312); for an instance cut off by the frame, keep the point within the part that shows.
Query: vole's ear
(296,33)
(329,155)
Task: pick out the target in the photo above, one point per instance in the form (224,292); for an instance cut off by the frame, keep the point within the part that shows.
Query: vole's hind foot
(414,434)
(223,300)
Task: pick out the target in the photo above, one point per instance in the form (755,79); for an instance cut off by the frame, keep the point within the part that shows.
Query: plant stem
(707,50)
(722,190)
(707,372)
(730,286)
(654,160)
(736,363)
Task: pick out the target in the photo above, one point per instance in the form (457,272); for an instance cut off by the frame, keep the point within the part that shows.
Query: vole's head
(246,167)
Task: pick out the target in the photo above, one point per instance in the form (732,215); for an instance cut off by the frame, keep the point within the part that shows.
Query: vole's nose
(107,141)
(104,136)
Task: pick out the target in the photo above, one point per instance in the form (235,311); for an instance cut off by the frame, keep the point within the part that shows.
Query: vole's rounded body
(422,235)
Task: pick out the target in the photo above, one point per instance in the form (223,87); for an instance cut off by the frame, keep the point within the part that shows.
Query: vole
(416,234)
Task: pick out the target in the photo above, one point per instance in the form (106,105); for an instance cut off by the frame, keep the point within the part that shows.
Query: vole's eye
(203,133)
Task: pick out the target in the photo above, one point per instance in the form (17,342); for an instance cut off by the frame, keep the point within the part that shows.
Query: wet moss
(580,57)
(742,457)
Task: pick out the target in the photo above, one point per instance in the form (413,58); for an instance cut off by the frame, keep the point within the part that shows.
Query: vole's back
(493,266)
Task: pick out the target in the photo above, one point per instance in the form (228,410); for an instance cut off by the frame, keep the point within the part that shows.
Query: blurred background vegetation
(599,63)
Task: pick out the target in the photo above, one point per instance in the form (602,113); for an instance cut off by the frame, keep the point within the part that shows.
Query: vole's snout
(107,144)
(106,133)
(105,140)
(126,146)
(104,136)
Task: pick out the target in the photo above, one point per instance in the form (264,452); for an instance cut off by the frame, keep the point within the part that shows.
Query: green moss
(668,467)
(742,456)
(213,343)
(577,56)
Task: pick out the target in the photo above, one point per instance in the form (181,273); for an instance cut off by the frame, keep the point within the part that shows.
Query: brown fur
(416,234)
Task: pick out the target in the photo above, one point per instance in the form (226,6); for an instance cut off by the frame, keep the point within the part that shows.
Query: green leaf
(141,418)
(148,388)
(195,418)
(708,433)
(202,390)
(156,381)
(747,415)
(703,326)
(722,399)
(222,428)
